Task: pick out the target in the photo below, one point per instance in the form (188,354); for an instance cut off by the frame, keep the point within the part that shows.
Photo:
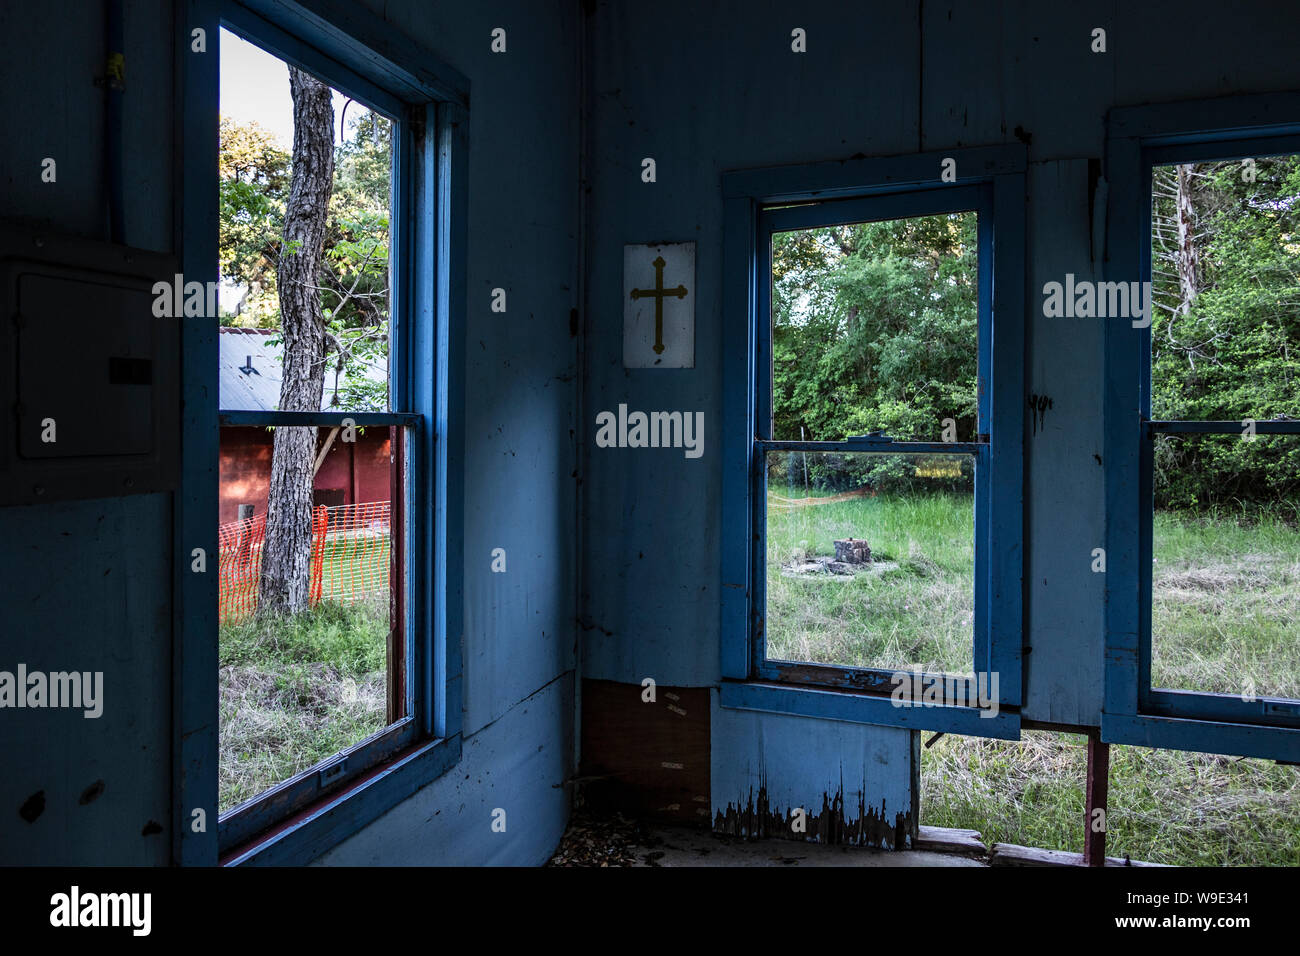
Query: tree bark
(285,584)
(1188,256)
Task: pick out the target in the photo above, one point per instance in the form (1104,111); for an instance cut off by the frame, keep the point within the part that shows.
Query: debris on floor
(602,841)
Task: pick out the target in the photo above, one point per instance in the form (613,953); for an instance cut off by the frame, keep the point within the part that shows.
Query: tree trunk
(286,554)
(1188,256)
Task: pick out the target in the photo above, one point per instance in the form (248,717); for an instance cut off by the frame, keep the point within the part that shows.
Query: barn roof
(249,371)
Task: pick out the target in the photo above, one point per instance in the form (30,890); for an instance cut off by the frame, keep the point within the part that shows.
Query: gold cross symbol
(658,292)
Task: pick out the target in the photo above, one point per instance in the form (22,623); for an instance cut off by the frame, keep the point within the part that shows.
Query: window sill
(865,708)
(1203,736)
(317,828)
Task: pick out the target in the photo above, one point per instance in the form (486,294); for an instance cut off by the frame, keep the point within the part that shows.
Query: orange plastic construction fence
(350,557)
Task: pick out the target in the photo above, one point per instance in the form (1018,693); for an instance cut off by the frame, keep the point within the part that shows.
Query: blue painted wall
(701,88)
(704,88)
(89,585)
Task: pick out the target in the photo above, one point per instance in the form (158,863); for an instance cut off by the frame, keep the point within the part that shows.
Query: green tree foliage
(874,328)
(253,176)
(354,284)
(1226,345)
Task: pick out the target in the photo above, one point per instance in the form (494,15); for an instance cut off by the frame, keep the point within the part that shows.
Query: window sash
(1139,138)
(759,201)
(263,812)
(890,206)
(1174,702)
(895,204)
(867,680)
(1177,702)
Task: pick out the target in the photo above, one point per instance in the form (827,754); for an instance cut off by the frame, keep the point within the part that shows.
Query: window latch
(1281,708)
(328,775)
(878,437)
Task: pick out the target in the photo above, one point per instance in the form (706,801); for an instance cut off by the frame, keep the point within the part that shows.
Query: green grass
(1227,593)
(1165,806)
(296,690)
(914,608)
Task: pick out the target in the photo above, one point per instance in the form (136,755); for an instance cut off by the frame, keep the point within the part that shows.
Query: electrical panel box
(89,369)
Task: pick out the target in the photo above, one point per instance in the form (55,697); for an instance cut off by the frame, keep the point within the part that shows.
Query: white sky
(255,88)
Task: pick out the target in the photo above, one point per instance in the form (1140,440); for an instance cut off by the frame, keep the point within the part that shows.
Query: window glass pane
(307,622)
(1225,292)
(296,688)
(344,346)
(870,560)
(1225,604)
(875,327)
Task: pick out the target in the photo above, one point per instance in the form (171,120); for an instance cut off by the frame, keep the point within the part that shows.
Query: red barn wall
(359,469)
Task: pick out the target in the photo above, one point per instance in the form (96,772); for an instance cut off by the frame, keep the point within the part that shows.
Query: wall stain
(1038,406)
(91,793)
(756,819)
(33,806)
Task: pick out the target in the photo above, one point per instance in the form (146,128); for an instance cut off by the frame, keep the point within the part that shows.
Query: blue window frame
(1134,712)
(427,102)
(758,203)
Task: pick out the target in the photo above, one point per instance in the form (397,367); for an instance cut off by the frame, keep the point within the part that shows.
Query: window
(873,441)
(315,689)
(1203,427)
(384,554)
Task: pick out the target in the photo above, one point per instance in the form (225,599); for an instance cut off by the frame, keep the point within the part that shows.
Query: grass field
(914,607)
(1227,594)
(294,691)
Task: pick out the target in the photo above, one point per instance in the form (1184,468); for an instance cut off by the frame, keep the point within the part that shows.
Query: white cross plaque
(659,306)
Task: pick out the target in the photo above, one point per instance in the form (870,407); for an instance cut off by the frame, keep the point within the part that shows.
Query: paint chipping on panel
(755,818)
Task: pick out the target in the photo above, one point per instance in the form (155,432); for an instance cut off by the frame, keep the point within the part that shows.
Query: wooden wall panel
(646,759)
